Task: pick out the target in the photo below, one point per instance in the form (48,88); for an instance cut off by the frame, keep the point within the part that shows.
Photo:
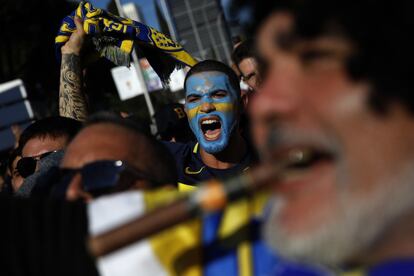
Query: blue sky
(147,9)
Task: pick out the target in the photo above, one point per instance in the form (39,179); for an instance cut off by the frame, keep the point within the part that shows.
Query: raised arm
(72,101)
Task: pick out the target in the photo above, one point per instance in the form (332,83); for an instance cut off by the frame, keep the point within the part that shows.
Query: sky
(146,7)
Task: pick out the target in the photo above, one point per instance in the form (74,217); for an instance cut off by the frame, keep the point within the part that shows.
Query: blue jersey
(400,267)
(191,170)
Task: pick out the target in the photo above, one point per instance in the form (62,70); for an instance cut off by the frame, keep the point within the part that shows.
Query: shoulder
(179,148)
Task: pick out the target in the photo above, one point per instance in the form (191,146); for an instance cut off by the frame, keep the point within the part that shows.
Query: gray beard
(357,225)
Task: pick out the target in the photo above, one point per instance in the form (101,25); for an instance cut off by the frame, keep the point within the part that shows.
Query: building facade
(200,26)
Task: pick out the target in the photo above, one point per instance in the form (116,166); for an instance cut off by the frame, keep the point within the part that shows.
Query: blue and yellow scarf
(114,38)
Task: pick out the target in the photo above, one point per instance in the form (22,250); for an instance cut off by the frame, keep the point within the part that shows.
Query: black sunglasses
(100,177)
(26,166)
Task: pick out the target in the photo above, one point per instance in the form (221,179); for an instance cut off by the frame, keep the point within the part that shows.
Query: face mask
(212,109)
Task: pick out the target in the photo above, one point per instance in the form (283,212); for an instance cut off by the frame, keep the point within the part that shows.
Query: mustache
(284,136)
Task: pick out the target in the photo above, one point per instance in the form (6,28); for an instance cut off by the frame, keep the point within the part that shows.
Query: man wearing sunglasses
(39,145)
(112,154)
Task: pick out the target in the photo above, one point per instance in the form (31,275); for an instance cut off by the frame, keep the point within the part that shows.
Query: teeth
(298,156)
(207,122)
(295,158)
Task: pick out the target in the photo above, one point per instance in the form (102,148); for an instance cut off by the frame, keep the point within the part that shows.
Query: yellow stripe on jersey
(195,149)
(185,187)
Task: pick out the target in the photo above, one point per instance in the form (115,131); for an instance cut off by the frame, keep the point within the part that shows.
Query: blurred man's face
(355,175)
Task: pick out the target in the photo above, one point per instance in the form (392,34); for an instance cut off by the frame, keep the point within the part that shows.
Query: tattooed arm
(72,101)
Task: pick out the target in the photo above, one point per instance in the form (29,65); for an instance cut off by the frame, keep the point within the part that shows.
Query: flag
(156,255)
(114,38)
(203,246)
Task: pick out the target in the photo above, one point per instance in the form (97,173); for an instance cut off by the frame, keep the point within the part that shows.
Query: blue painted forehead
(208,81)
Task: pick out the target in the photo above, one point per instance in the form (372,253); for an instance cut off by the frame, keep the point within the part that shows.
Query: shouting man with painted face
(213,106)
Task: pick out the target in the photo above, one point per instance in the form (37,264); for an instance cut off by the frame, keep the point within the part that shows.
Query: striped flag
(114,38)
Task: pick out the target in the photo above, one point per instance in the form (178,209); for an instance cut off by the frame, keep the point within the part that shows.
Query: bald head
(105,141)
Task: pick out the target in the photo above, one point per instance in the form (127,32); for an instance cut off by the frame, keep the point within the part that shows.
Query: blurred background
(29,71)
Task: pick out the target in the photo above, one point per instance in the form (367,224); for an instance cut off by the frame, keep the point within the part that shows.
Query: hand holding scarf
(114,38)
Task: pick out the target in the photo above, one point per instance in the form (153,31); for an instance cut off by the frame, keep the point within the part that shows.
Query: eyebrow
(193,95)
(219,90)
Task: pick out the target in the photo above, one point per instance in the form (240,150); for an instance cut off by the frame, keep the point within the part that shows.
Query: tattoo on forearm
(72,102)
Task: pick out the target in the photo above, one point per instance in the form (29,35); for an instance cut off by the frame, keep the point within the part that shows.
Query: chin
(354,224)
(320,245)
(214,147)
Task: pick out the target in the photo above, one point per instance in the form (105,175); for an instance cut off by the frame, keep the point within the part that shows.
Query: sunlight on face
(326,210)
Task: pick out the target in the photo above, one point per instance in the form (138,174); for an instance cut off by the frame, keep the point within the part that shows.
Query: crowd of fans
(328,104)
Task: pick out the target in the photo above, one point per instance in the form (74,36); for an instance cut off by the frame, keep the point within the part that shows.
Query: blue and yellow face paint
(212,107)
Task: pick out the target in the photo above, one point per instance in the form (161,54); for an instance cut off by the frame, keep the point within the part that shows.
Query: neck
(396,243)
(229,157)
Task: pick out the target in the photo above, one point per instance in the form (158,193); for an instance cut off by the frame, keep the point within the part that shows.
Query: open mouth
(300,161)
(211,128)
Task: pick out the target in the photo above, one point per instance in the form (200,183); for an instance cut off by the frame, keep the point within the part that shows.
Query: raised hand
(72,102)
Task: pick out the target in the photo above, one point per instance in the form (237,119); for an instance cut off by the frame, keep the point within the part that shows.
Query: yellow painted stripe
(221,107)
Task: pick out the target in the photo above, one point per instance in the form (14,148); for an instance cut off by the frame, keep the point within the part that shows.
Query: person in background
(172,124)
(245,58)
(16,180)
(39,145)
(111,154)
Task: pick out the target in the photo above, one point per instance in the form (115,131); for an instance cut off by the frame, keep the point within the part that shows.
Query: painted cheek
(194,123)
(192,110)
(224,107)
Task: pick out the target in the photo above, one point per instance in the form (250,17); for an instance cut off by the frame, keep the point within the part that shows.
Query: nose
(75,190)
(207,106)
(277,100)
